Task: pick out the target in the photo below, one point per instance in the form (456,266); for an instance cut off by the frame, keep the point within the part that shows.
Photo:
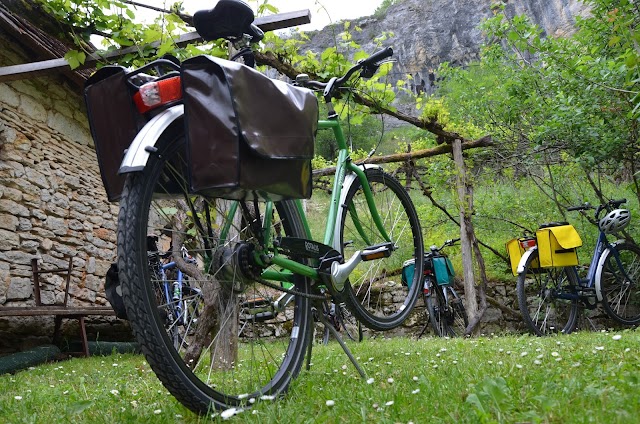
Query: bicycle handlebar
(586,206)
(368,65)
(614,203)
(377,57)
(449,242)
(582,207)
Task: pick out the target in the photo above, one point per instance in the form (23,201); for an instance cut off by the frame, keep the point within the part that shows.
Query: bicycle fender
(349,179)
(523,259)
(598,275)
(137,155)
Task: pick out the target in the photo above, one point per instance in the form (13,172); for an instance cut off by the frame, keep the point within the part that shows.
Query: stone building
(52,202)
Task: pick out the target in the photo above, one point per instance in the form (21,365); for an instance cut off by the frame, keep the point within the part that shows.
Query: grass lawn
(583,377)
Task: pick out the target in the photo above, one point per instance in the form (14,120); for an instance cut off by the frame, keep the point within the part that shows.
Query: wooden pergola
(48,51)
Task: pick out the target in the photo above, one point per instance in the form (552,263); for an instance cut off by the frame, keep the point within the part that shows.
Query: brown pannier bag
(248,136)
(114,122)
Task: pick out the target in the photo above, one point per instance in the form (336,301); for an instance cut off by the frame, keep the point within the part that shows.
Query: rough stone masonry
(52,203)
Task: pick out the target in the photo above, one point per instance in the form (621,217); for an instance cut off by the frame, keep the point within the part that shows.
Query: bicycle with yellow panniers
(549,289)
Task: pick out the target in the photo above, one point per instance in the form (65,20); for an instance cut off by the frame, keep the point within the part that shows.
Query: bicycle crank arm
(340,272)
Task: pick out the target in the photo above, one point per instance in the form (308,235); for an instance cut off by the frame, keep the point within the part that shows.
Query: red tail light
(528,243)
(157,93)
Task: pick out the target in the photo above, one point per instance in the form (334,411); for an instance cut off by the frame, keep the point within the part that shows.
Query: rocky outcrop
(429,32)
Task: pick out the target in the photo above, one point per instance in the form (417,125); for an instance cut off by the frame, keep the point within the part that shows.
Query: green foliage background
(563,113)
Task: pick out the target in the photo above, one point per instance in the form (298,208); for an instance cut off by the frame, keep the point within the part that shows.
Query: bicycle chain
(290,291)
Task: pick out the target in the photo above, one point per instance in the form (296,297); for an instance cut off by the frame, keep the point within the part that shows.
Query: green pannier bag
(443,269)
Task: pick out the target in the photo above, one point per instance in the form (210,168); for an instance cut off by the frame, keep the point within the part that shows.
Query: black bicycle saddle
(228,19)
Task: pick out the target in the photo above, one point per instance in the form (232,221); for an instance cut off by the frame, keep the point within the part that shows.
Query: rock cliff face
(429,32)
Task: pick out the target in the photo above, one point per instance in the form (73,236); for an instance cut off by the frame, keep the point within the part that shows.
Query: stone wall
(501,320)
(52,203)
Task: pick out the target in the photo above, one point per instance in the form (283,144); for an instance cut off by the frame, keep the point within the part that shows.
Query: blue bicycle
(549,289)
(179,303)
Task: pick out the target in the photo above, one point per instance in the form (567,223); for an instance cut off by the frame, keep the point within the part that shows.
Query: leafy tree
(542,96)
(114,20)
(382,9)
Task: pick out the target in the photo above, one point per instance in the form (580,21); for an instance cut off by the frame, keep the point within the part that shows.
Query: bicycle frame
(591,280)
(601,245)
(137,156)
(168,290)
(346,174)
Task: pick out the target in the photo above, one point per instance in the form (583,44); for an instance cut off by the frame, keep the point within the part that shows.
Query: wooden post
(465,198)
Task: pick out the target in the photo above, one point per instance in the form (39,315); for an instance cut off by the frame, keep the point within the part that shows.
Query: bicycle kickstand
(423,330)
(335,333)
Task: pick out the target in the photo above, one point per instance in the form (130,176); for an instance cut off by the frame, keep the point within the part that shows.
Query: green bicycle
(251,248)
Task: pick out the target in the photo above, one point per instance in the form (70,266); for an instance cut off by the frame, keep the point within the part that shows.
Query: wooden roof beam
(47,67)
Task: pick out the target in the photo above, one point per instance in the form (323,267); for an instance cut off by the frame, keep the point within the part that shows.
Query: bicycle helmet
(615,221)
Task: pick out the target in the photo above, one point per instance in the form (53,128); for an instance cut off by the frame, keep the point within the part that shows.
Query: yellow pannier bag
(557,246)
(515,251)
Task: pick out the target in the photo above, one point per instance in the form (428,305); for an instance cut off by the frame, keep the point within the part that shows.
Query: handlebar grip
(575,208)
(378,56)
(618,202)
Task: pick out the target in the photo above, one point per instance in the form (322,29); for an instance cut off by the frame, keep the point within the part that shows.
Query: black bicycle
(550,289)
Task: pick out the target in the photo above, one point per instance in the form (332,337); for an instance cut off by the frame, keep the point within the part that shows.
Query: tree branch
(418,154)
(188,19)
(269,58)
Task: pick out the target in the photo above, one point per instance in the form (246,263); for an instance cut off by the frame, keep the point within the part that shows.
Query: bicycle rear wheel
(620,287)
(540,293)
(211,366)
(374,292)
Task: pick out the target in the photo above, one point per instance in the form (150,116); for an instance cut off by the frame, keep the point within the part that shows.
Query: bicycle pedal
(382,250)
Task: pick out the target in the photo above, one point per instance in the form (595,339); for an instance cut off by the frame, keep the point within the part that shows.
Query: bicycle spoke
(194,343)
(539,291)
(618,283)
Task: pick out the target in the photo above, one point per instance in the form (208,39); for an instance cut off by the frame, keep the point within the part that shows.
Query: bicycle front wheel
(374,292)
(436,306)
(446,311)
(546,298)
(457,320)
(211,363)
(619,283)
(349,324)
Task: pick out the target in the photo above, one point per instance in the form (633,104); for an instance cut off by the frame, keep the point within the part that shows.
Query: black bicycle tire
(432,303)
(572,318)
(341,312)
(144,319)
(393,320)
(634,270)
(457,306)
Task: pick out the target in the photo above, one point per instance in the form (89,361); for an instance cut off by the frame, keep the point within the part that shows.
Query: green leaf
(79,407)
(474,400)
(631,61)
(75,58)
